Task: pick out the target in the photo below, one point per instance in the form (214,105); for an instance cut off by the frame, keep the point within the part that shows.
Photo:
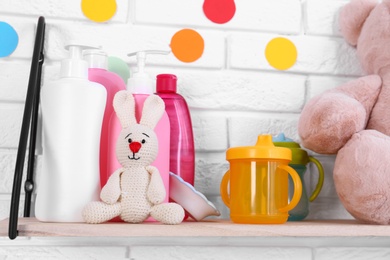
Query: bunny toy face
(136,146)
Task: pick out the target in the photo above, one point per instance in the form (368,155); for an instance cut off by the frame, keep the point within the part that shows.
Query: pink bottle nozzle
(166,83)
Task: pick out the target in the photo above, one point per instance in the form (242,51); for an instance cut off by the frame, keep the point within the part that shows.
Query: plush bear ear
(352,17)
(152,111)
(124,107)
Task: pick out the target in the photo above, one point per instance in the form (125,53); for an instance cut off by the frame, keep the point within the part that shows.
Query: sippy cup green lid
(264,149)
(299,155)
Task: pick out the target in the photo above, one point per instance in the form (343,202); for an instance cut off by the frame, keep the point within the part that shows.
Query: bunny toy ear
(154,108)
(352,18)
(124,107)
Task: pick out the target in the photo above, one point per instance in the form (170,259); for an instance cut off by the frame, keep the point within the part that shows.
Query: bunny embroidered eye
(143,140)
(128,140)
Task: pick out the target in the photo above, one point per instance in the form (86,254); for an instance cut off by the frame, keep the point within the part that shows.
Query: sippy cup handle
(223,189)
(297,188)
(320,178)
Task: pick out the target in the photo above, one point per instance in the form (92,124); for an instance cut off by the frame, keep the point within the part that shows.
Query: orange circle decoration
(99,10)
(187,45)
(219,11)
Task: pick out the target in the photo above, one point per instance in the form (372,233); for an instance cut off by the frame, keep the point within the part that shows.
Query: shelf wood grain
(30,227)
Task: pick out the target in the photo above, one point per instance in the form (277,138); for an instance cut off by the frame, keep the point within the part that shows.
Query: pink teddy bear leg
(362,177)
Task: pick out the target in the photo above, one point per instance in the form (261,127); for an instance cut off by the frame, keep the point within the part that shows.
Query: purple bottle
(182,155)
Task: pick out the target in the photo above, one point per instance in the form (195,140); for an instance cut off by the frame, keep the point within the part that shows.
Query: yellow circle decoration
(281,53)
(98,10)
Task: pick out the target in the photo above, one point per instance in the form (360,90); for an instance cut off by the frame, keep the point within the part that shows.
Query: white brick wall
(232,253)
(232,91)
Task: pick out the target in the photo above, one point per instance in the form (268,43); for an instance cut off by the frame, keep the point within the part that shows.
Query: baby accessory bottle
(97,72)
(300,159)
(141,85)
(182,155)
(258,181)
(72,115)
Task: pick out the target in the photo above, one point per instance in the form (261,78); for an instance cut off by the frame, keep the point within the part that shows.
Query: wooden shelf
(30,227)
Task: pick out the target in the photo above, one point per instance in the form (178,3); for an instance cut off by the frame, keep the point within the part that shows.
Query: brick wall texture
(232,91)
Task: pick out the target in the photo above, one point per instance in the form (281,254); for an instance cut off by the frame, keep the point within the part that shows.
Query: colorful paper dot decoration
(281,53)
(219,11)
(99,10)
(8,39)
(187,45)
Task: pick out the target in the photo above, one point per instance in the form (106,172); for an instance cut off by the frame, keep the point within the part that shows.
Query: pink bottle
(141,85)
(182,156)
(97,72)
(163,136)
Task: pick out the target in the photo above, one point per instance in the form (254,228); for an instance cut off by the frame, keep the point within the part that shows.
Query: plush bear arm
(156,191)
(112,190)
(329,120)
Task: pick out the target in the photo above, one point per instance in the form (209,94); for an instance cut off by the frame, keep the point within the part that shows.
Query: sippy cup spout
(264,149)
(264,140)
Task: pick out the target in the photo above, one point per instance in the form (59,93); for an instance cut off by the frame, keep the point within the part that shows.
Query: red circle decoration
(219,11)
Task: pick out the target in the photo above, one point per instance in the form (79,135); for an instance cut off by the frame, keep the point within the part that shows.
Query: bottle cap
(120,67)
(166,83)
(299,155)
(140,82)
(264,149)
(74,66)
(96,58)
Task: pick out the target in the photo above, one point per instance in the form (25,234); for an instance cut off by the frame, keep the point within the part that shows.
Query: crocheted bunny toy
(135,191)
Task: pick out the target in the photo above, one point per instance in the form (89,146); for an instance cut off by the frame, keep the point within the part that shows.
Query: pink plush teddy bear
(353,120)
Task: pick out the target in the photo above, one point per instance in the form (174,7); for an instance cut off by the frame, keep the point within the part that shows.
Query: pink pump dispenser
(97,72)
(141,86)
(182,155)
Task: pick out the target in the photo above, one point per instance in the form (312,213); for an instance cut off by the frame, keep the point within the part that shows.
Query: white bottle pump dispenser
(140,82)
(75,66)
(72,113)
(141,86)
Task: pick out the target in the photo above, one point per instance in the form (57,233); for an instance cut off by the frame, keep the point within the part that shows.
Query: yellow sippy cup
(258,183)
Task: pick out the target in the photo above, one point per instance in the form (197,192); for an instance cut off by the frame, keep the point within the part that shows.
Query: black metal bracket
(29,126)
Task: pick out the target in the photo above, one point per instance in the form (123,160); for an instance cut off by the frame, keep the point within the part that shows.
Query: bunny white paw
(168,213)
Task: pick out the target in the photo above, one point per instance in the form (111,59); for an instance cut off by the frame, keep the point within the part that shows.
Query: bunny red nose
(135,146)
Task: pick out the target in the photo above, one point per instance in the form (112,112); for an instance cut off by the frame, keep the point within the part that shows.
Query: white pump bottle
(141,86)
(72,114)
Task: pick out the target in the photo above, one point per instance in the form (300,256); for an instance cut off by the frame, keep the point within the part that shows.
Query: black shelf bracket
(29,129)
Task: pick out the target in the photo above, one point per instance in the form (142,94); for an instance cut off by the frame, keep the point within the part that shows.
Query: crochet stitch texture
(135,191)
